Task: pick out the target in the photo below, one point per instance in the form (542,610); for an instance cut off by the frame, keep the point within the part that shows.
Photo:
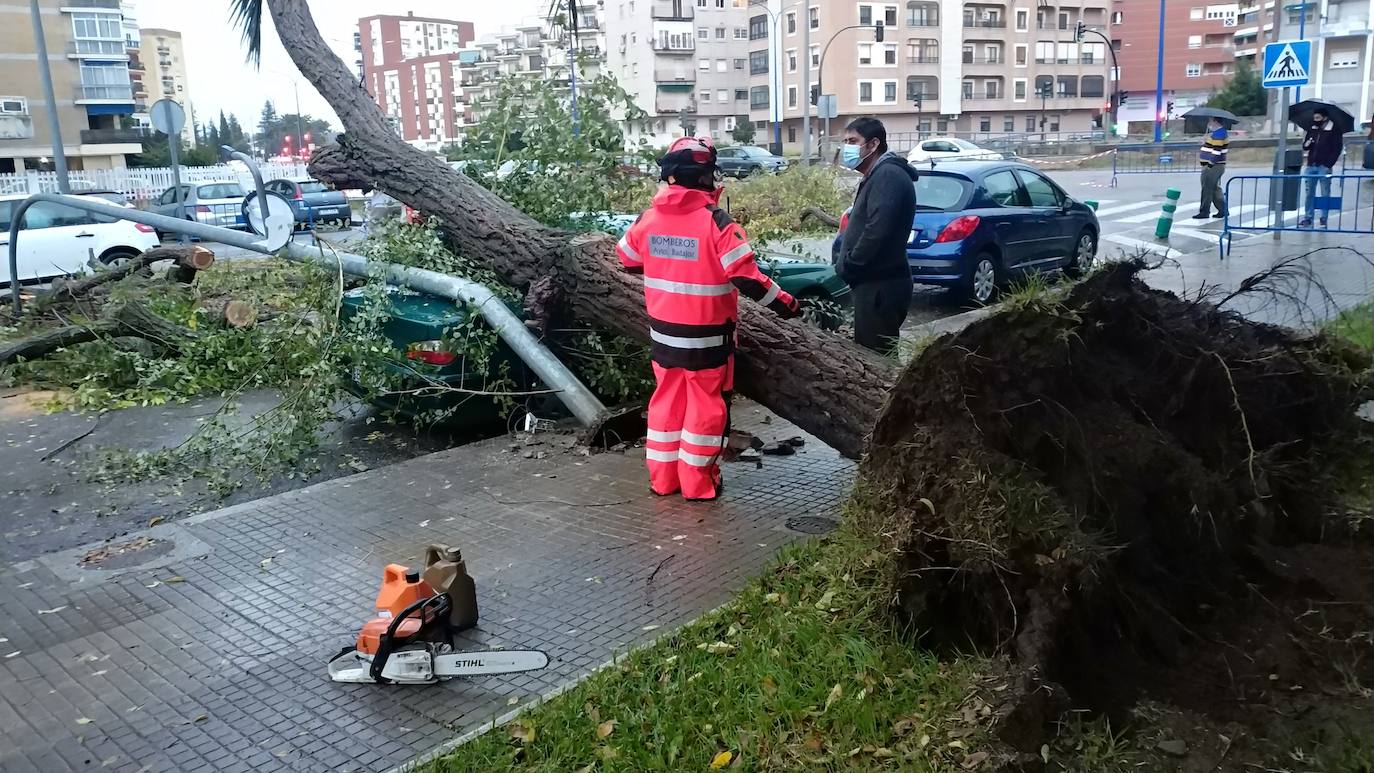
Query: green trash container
(1292,183)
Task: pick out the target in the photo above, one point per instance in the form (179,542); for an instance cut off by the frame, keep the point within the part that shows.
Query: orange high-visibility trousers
(688,420)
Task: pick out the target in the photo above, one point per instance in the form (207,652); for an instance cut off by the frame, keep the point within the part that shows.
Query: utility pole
(59,154)
(1159,80)
(1281,126)
(572,63)
(806,83)
(300,132)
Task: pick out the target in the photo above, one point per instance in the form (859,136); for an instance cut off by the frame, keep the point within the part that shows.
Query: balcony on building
(922,14)
(674,99)
(115,136)
(1346,20)
(984,90)
(112,5)
(925,89)
(985,15)
(984,56)
(675,75)
(678,10)
(675,44)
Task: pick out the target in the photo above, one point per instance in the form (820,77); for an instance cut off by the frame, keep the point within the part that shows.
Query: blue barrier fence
(1340,204)
(1154,158)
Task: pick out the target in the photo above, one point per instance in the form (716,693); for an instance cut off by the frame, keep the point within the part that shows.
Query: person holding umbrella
(1325,125)
(1212,156)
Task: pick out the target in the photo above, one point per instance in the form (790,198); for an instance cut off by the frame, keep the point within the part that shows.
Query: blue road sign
(1287,63)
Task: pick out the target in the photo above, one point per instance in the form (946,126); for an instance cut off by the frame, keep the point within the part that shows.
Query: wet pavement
(203,645)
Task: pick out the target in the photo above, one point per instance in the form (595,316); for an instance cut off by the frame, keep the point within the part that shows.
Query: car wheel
(749,171)
(1084,255)
(984,279)
(117,257)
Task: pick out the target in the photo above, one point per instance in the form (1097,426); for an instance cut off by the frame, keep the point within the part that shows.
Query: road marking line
(1126,207)
(1152,247)
(1206,236)
(1148,216)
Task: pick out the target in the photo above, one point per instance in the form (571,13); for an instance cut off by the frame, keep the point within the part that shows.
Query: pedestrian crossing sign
(1287,63)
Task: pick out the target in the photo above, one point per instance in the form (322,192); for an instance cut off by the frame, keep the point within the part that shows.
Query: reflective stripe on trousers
(687,425)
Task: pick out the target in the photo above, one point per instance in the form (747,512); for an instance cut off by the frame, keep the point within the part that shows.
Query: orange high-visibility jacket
(696,261)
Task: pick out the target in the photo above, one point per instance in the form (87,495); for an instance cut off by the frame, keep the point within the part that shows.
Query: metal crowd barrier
(1154,158)
(1349,207)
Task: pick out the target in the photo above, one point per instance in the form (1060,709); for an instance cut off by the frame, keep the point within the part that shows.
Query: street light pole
(59,155)
(775,74)
(820,72)
(1159,79)
(806,83)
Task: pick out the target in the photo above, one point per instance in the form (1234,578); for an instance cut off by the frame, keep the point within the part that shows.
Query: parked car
(424,326)
(981,224)
(313,201)
(57,240)
(939,148)
(746,160)
(217,203)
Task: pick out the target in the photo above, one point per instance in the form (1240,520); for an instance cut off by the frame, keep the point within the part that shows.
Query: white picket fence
(142,185)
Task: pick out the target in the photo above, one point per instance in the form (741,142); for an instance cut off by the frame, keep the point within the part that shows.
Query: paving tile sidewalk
(211,655)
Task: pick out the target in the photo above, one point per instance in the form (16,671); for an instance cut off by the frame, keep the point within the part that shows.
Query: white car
(940,148)
(57,240)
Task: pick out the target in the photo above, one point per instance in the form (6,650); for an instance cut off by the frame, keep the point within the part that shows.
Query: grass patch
(799,672)
(1355,325)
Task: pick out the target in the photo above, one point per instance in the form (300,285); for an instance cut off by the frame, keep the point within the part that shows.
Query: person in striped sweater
(1212,156)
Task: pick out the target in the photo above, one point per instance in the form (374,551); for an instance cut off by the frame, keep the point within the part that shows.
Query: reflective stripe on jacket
(696,261)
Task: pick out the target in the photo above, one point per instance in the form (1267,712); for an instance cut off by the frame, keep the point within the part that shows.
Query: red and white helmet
(691,161)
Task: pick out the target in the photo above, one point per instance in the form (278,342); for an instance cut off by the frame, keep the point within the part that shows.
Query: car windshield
(220,191)
(966,145)
(755,152)
(313,186)
(944,193)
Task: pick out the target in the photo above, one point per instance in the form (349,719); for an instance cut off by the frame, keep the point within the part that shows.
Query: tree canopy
(1243,94)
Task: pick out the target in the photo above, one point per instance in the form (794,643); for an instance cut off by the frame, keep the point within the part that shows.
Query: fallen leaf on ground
(83,721)
(770,687)
(604,729)
(824,603)
(52,611)
(836,693)
(155,521)
(772,598)
(813,744)
(424,523)
(652,627)
(974,760)
(721,760)
(883,753)
(679,537)
(720,647)
(588,769)
(101,672)
(592,712)
(201,717)
(14,654)
(512,701)
(607,752)
(266,562)
(154,585)
(522,732)
(176,578)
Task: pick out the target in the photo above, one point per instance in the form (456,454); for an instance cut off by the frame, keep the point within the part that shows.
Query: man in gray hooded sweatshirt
(872,255)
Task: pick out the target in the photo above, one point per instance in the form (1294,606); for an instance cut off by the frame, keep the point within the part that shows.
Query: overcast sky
(222,80)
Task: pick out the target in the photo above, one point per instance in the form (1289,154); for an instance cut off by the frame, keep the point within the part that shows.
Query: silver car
(212,203)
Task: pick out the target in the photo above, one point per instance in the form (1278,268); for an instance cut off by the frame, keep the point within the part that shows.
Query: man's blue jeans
(1312,177)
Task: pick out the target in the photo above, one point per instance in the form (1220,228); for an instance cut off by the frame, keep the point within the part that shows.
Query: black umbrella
(1301,114)
(1212,112)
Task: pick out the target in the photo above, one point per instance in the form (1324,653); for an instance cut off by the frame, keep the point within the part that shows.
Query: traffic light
(917,102)
(815,94)
(1125,95)
(1079,31)
(1170,111)
(878,31)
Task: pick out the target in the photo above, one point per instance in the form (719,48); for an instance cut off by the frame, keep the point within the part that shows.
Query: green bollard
(1166,216)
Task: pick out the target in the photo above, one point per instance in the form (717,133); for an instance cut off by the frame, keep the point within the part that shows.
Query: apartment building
(685,61)
(162,74)
(1198,57)
(409,65)
(988,67)
(520,51)
(89,61)
(1342,38)
(588,44)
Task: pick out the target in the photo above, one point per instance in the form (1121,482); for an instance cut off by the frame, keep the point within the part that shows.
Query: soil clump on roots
(1118,490)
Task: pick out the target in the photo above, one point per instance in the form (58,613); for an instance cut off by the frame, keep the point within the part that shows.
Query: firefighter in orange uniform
(696,261)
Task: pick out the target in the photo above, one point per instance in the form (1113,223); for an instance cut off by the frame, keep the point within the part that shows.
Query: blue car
(979,225)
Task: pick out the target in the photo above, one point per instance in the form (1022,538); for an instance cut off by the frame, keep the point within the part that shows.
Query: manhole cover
(812,524)
(121,555)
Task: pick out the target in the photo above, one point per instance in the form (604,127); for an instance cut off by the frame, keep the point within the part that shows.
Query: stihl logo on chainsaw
(410,641)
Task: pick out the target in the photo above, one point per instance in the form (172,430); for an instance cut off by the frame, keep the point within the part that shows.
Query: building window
(866,15)
(1068,86)
(739,64)
(722,95)
(758,27)
(704,64)
(968,90)
(1063,21)
(1030,123)
(815,56)
(990,89)
(758,62)
(722,65)
(1022,20)
(865,54)
(890,54)
(705,95)
(942,126)
(1054,123)
(1117,17)
(1195,14)
(701,3)
(720,3)
(890,91)
(1021,53)
(741,33)
(1093,86)
(791,60)
(741,95)
(1192,70)
(813,16)
(1008,124)
(758,97)
(922,14)
(791,134)
(720,33)
(703,33)
(1195,41)
(985,124)
(792,97)
(1344,60)
(865,91)
(791,24)
(1019,89)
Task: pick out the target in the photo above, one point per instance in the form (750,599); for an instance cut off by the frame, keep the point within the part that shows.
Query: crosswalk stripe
(1137,244)
(1148,216)
(1125,208)
(1206,236)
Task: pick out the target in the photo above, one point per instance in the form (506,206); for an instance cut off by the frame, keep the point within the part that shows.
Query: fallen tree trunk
(824,384)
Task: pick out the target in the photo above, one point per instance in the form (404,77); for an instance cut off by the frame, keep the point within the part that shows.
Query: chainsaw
(416,647)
